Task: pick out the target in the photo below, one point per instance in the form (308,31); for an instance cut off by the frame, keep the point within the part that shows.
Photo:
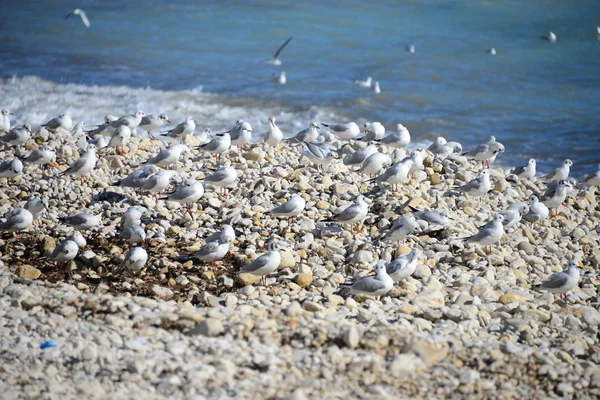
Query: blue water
(539,98)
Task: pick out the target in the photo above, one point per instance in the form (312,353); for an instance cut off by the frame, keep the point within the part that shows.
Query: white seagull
(562,282)
(478,186)
(5,120)
(17,220)
(527,171)
(403,266)
(11,168)
(489,234)
(82,221)
(151,123)
(81,14)
(537,210)
(266,263)
(291,208)
(42,156)
(398,139)
(187,194)
(169,155)
(136,259)
(275,60)
(63,121)
(222,178)
(353,213)
(560,173)
(274,136)
(134,234)
(347,130)
(182,130)
(375,286)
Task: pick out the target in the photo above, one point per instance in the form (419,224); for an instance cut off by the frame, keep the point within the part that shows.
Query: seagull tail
(344,290)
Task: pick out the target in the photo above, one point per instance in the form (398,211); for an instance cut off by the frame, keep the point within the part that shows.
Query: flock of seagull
(382,158)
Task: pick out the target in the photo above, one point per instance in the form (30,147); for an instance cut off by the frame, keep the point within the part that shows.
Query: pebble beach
(465,324)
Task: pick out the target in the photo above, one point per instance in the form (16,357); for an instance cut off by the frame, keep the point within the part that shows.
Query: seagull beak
(169,121)
(11,113)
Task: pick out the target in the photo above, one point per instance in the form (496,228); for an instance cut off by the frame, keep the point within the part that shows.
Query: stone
(429,298)
(508,297)
(422,271)
(406,365)
(28,272)
(252,156)
(287,260)
(303,280)
(210,327)
(245,279)
(312,306)
(351,337)
(526,247)
(294,309)
(162,292)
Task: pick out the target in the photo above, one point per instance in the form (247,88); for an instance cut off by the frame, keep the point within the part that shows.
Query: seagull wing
(285,208)
(85,19)
(282,47)
(348,214)
(257,264)
(369,284)
(555,281)
(207,249)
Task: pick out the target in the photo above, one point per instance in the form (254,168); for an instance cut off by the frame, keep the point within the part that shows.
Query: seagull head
(164,118)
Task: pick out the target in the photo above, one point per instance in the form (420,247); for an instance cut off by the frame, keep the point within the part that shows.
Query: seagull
(377,285)
(151,123)
(560,173)
(525,172)
(17,136)
(226,235)
(397,173)
(136,259)
(484,153)
(281,78)
(182,130)
(134,234)
(375,163)
(291,208)
(213,251)
(137,178)
(218,145)
(158,182)
(63,121)
(310,134)
(359,156)
(513,214)
(119,139)
(187,194)
(203,137)
(242,136)
(592,179)
(455,147)
(478,186)
(78,238)
(5,120)
(353,213)
(403,227)
(82,221)
(551,37)
(169,155)
(555,196)
(417,157)
(440,147)
(17,220)
(274,136)
(491,51)
(11,168)
(36,207)
(105,129)
(562,282)
(411,48)
(373,131)
(133,216)
(222,177)
(275,60)
(347,130)
(404,266)
(83,164)
(42,156)
(433,217)
(537,210)
(65,252)
(366,83)
(489,234)
(266,263)
(319,153)
(131,121)
(398,139)
(376,88)
(81,13)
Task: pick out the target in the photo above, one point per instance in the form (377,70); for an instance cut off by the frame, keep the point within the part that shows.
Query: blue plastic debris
(50,344)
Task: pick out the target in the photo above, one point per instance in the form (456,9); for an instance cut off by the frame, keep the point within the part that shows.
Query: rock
(245,279)
(287,260)
(162,292)
(406,365)
(48,243)
(247,290)
(209,327)
(435,179)
(508,297)
(28,272)
(422,271)
(252,156)
(322,205)
(312,306)
(526,247)
(351,337)
(304,280)
(429,298)
(294,309)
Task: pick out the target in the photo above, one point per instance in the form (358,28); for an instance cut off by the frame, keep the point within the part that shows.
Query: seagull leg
(151,136)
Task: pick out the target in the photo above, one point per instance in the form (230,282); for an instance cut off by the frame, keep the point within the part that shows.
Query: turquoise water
(539,98)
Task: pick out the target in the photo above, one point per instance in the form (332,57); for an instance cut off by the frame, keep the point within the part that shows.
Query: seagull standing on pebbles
(562,282)
(36,207)
(375,163)
(310,134)
(82,15)
(374,286)
(63,121)
(489,234)
(319,153)
(119,139)
(42,156)
(555,196)
(213,251)
(352,214)
(537,210)
(373,131)
(65,252)
(187,194)
(274,136)
(398,139)
(133,216)
(397,173)
(359,156)
(17,136)
(11,168)
(151,123)
(347,130)
(137,178)
(78,238)
(513,214)
(403,266)
(291,208)
(265,264)
(133,234)
(130,121)
(403,227)
(5,120)
(222,178)
(169,155)
(82,221)
(158,182)
(592,179)
(182,130)
(218,145)
(526,172)
(241,134)
(478,186)
(83,164)
(136,259)
(225,235)
(560,173)
(17,220)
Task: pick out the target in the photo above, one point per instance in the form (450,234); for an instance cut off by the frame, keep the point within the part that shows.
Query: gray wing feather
(348,214)
(208,249)
(367,285)
(256,264)
(482,148)
(284,208)
(483,233)
(182,193)
(163,154)
(555,281)
(217,176)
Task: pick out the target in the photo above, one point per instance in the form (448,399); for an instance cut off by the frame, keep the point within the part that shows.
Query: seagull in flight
(275,60)
(81,13)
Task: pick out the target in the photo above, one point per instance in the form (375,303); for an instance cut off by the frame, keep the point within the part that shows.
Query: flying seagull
(275,60)
(81,13)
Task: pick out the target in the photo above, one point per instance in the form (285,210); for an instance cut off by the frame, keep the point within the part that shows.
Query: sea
(207,59)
